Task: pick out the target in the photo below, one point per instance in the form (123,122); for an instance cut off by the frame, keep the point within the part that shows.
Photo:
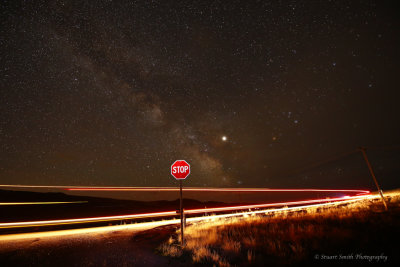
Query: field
(357,233)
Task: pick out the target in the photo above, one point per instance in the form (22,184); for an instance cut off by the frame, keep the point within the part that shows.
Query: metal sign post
(181,212)
(180,169)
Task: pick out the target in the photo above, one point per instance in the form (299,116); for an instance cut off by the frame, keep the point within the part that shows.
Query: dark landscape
(92,207)
(354,230)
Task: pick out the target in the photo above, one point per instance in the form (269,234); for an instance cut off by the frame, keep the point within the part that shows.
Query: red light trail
(172,213)
(149,225)
(199,189)
(357,194)
(186,189)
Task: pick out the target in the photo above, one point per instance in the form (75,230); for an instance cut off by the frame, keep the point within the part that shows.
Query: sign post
(180,170)
(181,211)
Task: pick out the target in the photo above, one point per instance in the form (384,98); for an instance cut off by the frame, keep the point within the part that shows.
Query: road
(216,213)
(127,245)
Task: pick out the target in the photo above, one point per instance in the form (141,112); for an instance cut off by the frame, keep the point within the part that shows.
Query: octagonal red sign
(180,169)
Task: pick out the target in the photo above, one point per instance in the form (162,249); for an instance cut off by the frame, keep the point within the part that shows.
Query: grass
(290,237)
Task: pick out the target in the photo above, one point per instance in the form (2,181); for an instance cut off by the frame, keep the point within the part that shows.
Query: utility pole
(362,149)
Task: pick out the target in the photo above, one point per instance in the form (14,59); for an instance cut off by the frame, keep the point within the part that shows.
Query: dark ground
(115,249)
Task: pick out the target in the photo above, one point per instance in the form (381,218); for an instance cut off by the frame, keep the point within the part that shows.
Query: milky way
(113,92)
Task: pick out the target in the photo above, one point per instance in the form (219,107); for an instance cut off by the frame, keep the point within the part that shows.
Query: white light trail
(168,213)
(149,225)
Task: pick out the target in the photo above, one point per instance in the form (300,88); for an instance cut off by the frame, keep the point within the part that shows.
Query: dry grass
(281,237)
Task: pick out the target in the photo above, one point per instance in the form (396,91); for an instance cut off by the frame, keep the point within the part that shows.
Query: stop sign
(180,169)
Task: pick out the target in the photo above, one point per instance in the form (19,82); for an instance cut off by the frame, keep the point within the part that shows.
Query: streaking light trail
(39,203)
(149,225)
(199,189)
(171,213)
(187,189)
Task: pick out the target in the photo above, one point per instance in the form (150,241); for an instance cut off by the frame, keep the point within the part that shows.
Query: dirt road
(118,248)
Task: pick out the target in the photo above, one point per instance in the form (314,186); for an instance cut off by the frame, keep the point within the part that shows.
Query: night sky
(250,93)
